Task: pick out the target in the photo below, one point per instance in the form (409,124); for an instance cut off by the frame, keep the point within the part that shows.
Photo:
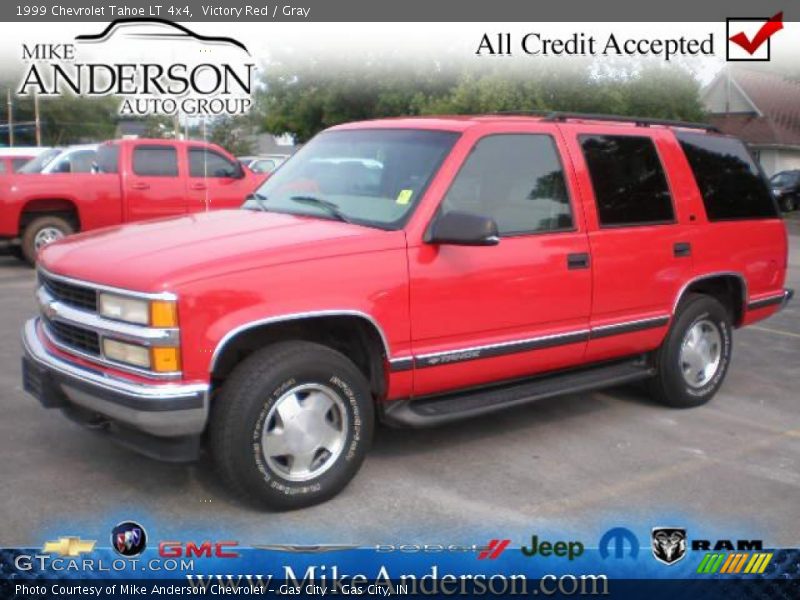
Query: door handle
(198,186)
(578,260)
(140,185)
(681,249)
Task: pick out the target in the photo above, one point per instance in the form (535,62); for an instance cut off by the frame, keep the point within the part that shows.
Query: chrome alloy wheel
(305,432)
(46,235)
(701,353)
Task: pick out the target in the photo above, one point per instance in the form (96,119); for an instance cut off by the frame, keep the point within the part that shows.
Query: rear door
(154,185)
(215,180)
(640,235)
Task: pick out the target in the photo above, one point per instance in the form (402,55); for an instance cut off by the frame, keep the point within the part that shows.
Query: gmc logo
(189,549)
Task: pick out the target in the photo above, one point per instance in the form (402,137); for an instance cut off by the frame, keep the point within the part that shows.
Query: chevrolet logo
(69,546)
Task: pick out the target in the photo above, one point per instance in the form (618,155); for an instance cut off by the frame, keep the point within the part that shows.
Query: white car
(74,159)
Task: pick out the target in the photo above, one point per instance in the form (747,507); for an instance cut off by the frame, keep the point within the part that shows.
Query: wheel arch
(729,287)
(356,334)
(39,207)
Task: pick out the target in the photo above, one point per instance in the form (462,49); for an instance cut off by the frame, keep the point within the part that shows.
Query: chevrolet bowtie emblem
(69,546)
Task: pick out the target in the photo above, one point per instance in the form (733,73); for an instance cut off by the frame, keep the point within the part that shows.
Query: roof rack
(554,115)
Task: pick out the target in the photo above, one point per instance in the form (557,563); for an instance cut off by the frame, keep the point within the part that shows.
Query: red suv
(416,271)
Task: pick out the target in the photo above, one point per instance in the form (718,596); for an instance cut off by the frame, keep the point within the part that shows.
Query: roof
(461,123)
(774,101)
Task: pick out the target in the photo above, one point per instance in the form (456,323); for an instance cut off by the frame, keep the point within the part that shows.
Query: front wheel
(292,425)
(693,359)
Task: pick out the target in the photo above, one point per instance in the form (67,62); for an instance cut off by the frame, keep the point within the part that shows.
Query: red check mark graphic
(770,28)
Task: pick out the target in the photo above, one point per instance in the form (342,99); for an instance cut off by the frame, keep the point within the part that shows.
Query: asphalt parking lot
(581,462)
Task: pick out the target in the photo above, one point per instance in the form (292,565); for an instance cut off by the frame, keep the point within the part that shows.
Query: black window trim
(570,194)
(600,225)
(155,147)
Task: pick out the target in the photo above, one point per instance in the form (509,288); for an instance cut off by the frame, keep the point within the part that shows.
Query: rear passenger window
(18,163)
(517,180)
(155,161)
(630,187)
(728,178)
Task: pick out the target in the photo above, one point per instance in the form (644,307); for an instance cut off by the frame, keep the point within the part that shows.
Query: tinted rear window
(155,161)
(630,187)
(728,178)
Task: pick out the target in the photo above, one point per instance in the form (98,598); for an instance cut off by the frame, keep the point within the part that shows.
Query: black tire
(670,386)
(241,410)
(34,227)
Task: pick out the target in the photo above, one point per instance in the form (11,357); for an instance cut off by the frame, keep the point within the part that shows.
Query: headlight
(127,353)
(125,309)
(778,192)
(157,313)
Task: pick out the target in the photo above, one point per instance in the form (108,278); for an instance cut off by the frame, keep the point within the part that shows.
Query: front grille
(75,337)
(69,293)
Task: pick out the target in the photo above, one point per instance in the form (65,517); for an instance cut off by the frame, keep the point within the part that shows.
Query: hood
(161,255)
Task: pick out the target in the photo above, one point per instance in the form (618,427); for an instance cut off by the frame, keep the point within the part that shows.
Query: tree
(304,96)
(65,119)
(232,133)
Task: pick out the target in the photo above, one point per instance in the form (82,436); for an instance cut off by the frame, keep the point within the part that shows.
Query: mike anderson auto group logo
(157,68)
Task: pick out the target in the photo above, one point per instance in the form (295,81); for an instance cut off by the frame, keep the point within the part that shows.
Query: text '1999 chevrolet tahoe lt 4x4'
(416,271)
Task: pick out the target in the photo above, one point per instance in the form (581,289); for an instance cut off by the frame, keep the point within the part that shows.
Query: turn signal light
(166,359)
(163,313)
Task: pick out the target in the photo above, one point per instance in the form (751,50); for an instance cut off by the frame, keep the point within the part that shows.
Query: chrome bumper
(158,409)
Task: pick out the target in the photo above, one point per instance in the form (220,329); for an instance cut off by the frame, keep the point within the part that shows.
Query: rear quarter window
(728,178)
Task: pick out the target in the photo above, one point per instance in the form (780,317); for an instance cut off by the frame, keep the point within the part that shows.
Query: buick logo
(669,544)
(129,538)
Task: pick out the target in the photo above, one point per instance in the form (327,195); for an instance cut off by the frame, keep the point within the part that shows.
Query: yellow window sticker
(404,197)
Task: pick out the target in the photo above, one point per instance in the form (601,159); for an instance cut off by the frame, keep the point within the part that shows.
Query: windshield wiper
(329,207)
(260,199)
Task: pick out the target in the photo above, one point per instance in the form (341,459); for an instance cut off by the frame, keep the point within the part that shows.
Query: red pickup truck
(417,271)
(134,180)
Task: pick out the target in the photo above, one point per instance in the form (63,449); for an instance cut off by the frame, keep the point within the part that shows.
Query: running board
(434,410)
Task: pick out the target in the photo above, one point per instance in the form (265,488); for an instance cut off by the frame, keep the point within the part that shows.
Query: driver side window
(517,180)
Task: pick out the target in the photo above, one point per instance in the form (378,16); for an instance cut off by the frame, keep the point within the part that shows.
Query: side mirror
(463,229)
(239,172)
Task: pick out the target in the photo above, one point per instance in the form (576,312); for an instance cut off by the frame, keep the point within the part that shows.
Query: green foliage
(232,134)
(303,97)
(64,120)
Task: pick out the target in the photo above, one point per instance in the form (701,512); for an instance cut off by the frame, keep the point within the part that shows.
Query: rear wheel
(292,425)
(693,359)
(42,231)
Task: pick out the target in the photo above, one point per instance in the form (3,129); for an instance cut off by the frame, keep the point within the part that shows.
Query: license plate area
(40,384)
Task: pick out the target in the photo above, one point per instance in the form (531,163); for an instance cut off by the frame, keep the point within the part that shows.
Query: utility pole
(36,119)
(177,126)
(10,118)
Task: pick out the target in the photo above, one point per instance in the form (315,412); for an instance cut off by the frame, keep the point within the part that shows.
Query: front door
(489,313)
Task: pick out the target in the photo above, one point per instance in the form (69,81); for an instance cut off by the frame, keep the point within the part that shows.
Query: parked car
(265,163)
(13,159)
(136,180)
(72,159)
(786,189)
(496,260)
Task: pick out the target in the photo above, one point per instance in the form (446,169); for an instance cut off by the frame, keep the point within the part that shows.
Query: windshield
(371,177)
(40,162)
(781,179)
